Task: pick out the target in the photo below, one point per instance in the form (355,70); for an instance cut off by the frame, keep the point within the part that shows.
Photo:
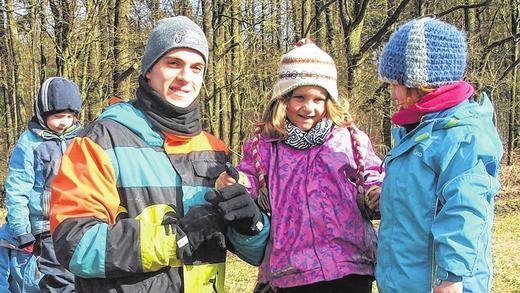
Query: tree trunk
(515,54)
(318,24)
(15,103)
(120,49)
(235,70)
(305,17)
(330,27)
(63,13)
(206,109)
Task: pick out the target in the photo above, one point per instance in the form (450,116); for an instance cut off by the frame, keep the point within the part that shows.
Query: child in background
(33,164)
(438,193)
(18,272)
(305,167)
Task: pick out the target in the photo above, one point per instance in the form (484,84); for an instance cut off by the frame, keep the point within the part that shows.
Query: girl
(437,197)
(305,167)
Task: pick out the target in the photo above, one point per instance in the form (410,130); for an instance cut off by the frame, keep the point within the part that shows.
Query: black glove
(201,223)
(238,208)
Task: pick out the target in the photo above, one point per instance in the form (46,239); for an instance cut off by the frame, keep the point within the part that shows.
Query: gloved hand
(238,208)
(201,223)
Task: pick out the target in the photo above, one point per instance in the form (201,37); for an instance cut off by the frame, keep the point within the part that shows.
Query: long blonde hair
(272,123)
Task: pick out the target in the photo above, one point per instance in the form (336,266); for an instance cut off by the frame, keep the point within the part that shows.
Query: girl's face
(306,106)
(404,96)
(60,121)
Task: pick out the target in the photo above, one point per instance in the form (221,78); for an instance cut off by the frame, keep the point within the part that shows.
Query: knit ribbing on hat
(306,65)
(171,33)
(424,53)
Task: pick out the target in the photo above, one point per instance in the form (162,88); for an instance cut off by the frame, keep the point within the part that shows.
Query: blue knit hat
(424,52)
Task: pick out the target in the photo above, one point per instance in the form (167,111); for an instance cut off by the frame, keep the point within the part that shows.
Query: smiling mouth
(178,90)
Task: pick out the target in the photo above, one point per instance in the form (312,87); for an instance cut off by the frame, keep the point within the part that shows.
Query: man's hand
(448,287)
(202,223)
(238,208)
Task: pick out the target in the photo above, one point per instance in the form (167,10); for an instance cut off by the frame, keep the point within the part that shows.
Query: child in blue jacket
(33,164)
(18,272)
(442,172)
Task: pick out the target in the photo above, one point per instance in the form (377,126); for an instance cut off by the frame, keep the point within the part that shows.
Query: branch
(318,13)
(383,30)
(490,47)
(122,76)
(360,15)
(462,6)
(4,8)
(509,69)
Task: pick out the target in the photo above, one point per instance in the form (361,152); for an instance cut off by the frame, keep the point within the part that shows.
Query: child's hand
(373,199)
(224,180)
(448,287)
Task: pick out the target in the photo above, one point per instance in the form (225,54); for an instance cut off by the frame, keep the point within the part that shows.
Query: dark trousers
(56,278)
(348,284)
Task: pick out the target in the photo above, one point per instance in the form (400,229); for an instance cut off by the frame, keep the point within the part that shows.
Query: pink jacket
(317,231)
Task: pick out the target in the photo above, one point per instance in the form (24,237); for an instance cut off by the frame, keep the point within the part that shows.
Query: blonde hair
(414,95)
(272,123)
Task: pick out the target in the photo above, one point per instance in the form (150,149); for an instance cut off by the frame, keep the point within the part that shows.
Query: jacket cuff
(25,240)
(442,275)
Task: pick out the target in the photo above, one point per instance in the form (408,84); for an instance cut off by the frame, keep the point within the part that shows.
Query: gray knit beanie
(170,33)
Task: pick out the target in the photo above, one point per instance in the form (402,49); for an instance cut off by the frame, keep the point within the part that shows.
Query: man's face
(177,77)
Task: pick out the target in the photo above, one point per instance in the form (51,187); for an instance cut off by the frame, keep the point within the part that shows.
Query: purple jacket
(317,231)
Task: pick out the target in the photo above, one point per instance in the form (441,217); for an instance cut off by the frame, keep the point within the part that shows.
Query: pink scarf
(442,98)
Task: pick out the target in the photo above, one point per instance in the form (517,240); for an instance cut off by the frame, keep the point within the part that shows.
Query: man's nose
(184,74)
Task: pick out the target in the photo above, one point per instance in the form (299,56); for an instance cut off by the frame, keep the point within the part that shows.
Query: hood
(56,94)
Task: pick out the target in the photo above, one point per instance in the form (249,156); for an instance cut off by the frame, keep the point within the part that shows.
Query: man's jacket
(117,182)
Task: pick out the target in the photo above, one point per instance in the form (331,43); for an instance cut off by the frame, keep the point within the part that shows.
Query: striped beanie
(306,65)
(424,52)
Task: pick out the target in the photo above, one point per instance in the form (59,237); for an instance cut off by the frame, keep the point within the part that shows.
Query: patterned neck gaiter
(301,140)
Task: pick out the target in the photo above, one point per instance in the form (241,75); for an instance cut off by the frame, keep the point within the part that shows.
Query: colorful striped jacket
(116,182)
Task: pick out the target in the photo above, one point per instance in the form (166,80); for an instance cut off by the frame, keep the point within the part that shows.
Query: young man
(128,212)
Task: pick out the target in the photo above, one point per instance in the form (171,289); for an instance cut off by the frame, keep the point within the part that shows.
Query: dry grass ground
(240,277)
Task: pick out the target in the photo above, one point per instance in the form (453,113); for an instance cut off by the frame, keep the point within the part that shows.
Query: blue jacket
(437,202)
(18,272)
(33,164)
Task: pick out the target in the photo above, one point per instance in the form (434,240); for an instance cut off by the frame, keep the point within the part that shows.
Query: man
(128,212)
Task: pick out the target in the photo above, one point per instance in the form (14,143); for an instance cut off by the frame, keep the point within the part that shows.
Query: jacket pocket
(208,169)
(206,172)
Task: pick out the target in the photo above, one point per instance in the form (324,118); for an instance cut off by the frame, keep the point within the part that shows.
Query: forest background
(99,43)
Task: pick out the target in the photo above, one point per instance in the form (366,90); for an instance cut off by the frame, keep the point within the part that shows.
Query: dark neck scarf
(165,116)
(301,140)
(442,98)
